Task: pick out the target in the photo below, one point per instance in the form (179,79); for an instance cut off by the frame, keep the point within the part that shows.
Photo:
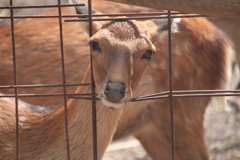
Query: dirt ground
(222,131)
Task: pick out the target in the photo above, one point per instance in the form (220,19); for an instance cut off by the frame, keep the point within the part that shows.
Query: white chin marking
(112,105)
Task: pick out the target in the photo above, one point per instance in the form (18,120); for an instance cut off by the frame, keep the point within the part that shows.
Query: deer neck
(80,124)
(44,136)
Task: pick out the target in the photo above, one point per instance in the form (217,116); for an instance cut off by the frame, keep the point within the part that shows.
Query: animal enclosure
(44,57)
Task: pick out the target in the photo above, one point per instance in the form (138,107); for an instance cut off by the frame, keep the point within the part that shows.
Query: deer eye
(147,54)
(95,46)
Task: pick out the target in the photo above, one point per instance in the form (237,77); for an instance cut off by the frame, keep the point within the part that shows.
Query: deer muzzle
(115,91)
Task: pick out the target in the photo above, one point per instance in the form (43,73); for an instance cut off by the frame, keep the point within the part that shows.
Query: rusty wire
(15,79)
(93,96)
(139,16)
(63,79)
(39,6)
(94,109)
(171,85)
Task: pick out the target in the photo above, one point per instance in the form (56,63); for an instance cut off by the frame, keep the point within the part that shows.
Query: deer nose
(115,91)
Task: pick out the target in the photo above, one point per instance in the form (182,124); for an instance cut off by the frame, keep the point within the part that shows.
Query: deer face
(120,51)
(120,54)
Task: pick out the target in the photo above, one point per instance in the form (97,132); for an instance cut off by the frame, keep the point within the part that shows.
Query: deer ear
(84,10)
(162,25)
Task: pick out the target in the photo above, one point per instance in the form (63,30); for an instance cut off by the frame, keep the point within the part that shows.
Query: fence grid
(93,96)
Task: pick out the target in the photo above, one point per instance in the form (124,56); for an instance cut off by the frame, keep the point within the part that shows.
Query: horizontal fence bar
(94,15)
(46,95)
(43,85)
(148,15)
(189,92)
(40,6)
(136,18)
(185,96)
(177,94)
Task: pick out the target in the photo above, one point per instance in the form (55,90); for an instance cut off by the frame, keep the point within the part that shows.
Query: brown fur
(41,131)
(199,56)
(42,135)
(201,60)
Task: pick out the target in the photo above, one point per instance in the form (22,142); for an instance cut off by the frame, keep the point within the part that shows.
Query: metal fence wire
(92,96)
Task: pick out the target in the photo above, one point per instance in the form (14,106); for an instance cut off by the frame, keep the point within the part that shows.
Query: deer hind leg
(153,142)
(189,140)
(158,146)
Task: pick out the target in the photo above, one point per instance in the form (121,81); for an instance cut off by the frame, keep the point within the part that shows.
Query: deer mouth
(114,105)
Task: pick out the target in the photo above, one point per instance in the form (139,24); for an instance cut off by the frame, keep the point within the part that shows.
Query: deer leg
(158,145)
(153,142)
(189,134)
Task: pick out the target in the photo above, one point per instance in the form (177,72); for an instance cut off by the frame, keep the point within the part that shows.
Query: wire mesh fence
(63,84)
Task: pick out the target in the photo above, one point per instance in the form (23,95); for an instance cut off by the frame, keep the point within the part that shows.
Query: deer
(203,57)
(150,124)
(118,63)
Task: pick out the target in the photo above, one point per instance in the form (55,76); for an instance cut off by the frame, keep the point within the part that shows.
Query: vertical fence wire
(170,85)
(15,78)
(63,79)
(94,111)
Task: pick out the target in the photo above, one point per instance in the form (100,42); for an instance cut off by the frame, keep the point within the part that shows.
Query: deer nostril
(107,89)
(122,90)
(115,91)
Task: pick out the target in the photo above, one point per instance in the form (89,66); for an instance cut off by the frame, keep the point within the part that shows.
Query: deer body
(193,48)
(202,58)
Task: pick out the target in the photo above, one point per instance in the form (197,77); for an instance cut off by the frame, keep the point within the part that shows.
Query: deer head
(121,50)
